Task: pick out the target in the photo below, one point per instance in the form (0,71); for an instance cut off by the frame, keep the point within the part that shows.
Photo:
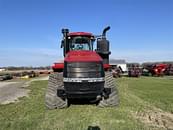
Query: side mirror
(62,43)
(72,46)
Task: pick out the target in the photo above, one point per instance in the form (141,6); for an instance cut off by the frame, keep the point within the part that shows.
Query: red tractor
(84,73)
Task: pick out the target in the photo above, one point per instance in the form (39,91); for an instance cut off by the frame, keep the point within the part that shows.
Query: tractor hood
(82,56)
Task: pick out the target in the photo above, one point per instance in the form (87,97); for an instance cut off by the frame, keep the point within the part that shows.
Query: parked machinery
(116,71)
(134,70)
(5,77)
(155,69)
(169,69)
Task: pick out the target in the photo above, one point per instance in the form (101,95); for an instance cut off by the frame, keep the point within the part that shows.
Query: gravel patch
(10,92)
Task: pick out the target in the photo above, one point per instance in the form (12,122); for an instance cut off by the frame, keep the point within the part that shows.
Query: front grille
(83,70)
(73,88)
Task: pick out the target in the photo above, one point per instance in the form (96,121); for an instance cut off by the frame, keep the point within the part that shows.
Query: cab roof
(80,34)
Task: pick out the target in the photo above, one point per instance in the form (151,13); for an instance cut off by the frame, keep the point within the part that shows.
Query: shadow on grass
(83,101)
(93,128)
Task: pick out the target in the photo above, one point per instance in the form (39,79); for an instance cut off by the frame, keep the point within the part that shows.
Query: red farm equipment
(134,70)
(84,72)
(116,71)
(169,69)
(155,69)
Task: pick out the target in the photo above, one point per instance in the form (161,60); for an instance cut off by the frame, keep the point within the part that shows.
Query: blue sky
(30,30)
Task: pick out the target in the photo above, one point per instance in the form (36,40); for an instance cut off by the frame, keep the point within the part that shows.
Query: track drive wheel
(112,99)
(52,100)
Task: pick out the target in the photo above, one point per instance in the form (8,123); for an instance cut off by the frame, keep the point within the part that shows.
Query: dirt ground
(11,91)
(156,118)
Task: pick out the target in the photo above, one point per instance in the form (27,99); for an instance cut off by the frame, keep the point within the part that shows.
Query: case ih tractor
(83,74)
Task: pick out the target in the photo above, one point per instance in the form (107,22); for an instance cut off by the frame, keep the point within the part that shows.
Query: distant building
(2,70)
(119,63)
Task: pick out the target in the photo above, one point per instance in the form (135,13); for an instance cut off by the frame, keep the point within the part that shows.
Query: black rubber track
(52,101)
(113,99)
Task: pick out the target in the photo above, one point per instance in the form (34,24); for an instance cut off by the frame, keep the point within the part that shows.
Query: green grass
(135,95)
(156,91)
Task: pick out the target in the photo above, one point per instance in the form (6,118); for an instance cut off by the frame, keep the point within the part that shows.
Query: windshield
(80,43)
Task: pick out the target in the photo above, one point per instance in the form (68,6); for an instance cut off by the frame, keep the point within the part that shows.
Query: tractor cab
(83,41)
(80,41)
(79,47)
(75,41)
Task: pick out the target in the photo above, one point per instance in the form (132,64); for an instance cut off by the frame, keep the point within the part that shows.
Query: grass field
(143,100)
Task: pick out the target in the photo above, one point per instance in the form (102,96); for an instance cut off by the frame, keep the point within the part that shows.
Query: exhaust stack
(64,42)
(103,46)
(104,31)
